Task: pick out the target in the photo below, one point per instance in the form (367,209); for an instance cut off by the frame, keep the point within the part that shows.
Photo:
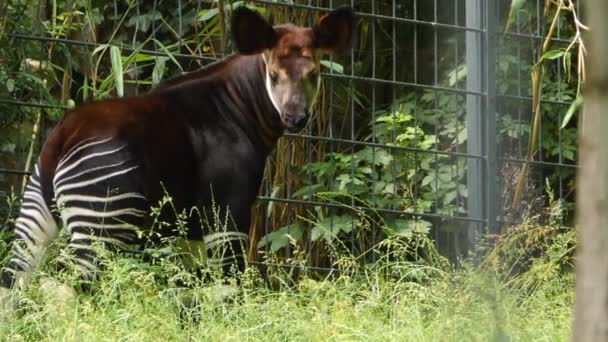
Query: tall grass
(418,300)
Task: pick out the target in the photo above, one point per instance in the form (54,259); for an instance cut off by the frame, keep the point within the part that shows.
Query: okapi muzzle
(291,57)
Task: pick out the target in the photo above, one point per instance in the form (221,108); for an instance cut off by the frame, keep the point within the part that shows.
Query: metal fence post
(491,167)
(474,119)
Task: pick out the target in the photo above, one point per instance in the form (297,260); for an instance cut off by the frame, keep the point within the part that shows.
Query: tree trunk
(591,308)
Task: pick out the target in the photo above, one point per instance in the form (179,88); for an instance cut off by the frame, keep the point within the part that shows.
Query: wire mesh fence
(427,126)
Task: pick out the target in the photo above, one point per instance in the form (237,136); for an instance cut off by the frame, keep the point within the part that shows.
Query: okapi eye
(274,77)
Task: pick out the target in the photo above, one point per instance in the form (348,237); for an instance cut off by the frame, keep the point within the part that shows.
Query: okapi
(203,138)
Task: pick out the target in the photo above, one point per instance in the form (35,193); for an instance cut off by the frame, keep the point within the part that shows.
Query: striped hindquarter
(98,189)
(99,197)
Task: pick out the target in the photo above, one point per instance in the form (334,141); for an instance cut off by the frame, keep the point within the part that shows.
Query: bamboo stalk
(30,153)
(537,78)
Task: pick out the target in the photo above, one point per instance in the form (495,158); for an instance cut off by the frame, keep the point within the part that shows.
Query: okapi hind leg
(226,251)
(212,251)
(35,229)
(224,240)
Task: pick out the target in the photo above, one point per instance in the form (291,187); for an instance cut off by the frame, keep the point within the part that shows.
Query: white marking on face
(269,87)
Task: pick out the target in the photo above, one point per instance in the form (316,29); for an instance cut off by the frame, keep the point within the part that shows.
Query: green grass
(490,302)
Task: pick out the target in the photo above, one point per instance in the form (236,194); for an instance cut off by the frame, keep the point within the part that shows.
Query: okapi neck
(251,75)
(231,91)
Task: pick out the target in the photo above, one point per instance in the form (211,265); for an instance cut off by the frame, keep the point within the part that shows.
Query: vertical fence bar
(373,104)
(474,119)
(491,169)
(437,121)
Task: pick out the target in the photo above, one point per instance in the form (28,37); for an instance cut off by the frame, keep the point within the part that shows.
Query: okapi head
(292,56)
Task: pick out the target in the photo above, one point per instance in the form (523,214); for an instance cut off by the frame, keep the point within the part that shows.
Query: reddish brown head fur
(291,55)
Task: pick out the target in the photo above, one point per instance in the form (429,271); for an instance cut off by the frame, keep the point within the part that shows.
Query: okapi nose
(296,122)
(300,121)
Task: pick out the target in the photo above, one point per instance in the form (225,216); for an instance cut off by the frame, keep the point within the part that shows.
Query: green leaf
(462,136)
(365,154)
(553,54)
(574,107)
(365,170)
(338,68)
(117,70)
(451,196)
(273,194)
(85,88)
(405,227)
(101,47)
(516,6)
(142,57)
(428,179)
(308,191)
(428,97)
(144,21)
(444,177)
(567,63)
(389,188)
(159,69)
(382,157)
(344,179)
(168,53)
(207,14)
(282,237)
(458,74)
(331,226)
(10,85)
(398,225)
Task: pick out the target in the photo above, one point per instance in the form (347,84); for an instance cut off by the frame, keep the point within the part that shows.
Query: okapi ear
(251,32)
(335,31)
